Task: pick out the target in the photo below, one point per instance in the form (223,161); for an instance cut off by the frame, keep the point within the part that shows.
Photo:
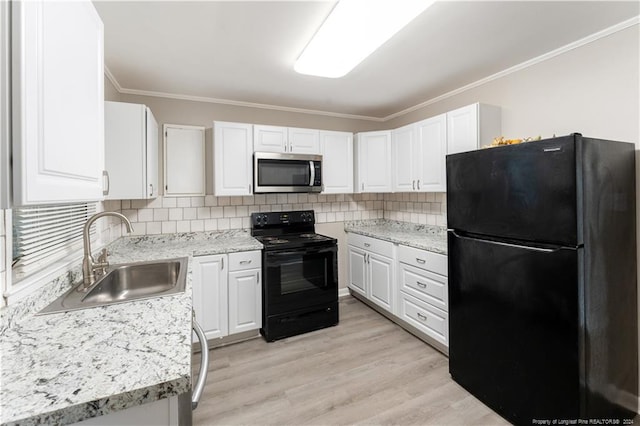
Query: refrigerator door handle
(500,243)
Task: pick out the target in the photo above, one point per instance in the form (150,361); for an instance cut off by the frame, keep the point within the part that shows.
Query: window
(45,234)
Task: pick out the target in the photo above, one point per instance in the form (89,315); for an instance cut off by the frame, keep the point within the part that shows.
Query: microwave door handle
(312,174)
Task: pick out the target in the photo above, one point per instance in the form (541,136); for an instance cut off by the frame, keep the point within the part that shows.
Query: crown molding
(519,67)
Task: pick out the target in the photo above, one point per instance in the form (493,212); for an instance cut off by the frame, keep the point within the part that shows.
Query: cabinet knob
(367,245)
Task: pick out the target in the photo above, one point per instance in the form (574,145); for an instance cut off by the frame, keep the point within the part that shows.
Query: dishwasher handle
(204,364)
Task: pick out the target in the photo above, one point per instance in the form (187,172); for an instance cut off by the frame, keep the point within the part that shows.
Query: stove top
(294,229)
(294,240)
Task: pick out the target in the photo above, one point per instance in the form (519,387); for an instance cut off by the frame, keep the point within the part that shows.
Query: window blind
(44,234)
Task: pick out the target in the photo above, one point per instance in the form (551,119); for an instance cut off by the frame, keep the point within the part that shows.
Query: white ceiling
(244,51)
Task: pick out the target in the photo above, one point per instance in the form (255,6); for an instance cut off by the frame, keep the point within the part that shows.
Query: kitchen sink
(124,283)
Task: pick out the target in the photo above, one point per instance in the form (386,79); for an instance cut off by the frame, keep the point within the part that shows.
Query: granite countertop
(66,367)
(425,237)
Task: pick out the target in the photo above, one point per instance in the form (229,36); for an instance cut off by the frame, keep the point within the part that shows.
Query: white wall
(593,90)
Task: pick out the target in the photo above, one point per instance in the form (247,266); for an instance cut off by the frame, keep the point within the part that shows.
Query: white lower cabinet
(210,295)
(371,270)
(406,282)
(245,292)
(227,293)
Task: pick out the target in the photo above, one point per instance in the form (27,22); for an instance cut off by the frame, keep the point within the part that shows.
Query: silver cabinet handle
(245,262)
(222,267)
(420,261)
(422,317)
(363,186)
(258,281)
(204,364)
(105,174)
(367,245)
(422,285)
(151,189)
(418,184)
(413,184)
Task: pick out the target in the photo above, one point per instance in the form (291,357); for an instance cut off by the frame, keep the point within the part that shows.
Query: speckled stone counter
(425,237)
(66,367)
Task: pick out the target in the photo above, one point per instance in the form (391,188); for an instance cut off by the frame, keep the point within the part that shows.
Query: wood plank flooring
(366,370)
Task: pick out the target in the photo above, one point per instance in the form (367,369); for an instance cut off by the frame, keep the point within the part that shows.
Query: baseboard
(343,292)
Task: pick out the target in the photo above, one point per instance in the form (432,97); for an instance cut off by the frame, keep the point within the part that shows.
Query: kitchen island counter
(66,367)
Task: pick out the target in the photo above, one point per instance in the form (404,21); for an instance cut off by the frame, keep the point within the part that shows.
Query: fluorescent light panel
(352,31)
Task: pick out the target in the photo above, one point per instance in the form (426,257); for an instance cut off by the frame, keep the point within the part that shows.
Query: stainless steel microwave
(275,172)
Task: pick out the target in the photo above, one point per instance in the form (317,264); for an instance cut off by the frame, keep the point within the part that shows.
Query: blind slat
(43,234)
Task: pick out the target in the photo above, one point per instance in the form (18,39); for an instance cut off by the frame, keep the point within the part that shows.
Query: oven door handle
(312,173)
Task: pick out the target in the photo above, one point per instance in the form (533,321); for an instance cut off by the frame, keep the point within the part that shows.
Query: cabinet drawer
(425,285)
(425,317)
(245,260)
(423,259)
(385,248)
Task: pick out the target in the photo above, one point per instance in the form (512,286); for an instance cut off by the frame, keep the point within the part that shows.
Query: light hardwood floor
(366,370)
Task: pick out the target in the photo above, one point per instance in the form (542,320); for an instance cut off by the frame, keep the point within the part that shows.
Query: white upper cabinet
(472,126)
(337,162)
(419,156)
(304,141)
(431,137)
(404,158)
(232,156)
(286,140)
(270,139)
(184,160)
(5,103)
(58,102)
(373,162)
(131,151)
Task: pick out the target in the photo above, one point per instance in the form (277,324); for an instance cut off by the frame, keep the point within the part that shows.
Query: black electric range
(300,274)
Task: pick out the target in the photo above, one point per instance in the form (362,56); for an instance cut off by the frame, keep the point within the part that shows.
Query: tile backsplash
(166,215)
(425,208)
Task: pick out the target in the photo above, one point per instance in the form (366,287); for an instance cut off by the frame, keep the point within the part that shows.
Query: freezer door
(525,192)
(513,327)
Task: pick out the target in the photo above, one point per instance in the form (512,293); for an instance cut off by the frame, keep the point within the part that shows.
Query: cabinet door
(245,301)
(462,129)
(210,295)
(152,143)
(232,147)
(5,102)
(432,142)
(357,270)
(374,162)
(404,158)
(380,270)
(184,160)
(58,102)
(337,162)
(125,150)
(304,141)
(270,139)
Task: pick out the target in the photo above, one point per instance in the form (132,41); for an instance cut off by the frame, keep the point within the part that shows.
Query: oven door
(274,172)
(299,278)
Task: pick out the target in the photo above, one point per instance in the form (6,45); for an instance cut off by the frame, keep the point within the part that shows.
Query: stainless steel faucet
(89,265)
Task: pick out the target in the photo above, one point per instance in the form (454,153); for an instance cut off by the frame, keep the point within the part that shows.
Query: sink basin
(126,282)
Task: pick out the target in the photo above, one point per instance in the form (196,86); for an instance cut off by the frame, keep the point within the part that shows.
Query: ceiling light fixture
(352,31)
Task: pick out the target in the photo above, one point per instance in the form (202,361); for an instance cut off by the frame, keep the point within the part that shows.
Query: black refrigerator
(542,279)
